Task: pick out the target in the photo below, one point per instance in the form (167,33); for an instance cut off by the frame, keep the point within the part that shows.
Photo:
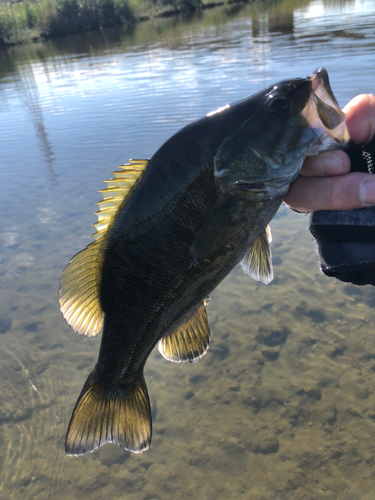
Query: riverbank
(32,20)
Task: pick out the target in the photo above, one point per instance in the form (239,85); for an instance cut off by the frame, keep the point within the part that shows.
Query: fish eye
(278,105)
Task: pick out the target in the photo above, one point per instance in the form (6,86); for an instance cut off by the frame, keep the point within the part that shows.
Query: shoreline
(36,20)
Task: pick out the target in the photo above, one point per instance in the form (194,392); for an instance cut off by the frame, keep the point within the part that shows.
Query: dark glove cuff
(346,239)
(351,262)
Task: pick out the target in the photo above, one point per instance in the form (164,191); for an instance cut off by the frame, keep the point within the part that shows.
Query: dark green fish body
(200,206)
(151,279)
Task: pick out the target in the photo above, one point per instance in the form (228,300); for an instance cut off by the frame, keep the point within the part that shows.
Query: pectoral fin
(190,341)
(257,262)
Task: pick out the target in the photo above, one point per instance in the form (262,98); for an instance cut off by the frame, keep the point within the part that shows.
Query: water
(290,421)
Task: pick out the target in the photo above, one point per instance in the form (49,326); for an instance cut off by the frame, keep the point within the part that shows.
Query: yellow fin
(116,192)
(257,262)
(80,282)
(107,413)
(79,291)
(190,341)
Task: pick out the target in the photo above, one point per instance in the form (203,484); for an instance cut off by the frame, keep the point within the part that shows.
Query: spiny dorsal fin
(190,341)
(115,193)
(80,282)
(257,262)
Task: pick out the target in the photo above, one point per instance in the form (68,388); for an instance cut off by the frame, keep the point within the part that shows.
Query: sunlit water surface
(289,420)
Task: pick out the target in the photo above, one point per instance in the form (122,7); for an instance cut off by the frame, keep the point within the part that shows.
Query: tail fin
(106,413)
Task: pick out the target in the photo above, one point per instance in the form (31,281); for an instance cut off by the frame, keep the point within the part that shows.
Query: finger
(360,118)
(327,163)
(345,192)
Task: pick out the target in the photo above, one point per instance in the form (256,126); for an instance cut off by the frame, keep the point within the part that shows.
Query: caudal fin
(110,414)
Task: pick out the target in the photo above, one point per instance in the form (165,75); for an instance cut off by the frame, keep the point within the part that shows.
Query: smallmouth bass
(169,230)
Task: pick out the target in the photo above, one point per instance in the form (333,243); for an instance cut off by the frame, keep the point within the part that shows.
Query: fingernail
(367,193)
(330,164)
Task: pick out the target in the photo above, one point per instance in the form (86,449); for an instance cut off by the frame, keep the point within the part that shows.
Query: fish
(169,230)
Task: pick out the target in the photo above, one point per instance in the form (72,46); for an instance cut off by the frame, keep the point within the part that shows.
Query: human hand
(325,182)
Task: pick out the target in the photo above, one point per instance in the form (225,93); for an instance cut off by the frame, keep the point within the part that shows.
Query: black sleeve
(346,239)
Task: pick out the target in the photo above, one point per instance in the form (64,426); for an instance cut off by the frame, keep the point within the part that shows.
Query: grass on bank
(27,20)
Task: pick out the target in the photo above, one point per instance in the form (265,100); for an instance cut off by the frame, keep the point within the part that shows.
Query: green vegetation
(28,20)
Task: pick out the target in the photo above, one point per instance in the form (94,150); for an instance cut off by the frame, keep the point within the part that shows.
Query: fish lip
(321,87)
(249,186)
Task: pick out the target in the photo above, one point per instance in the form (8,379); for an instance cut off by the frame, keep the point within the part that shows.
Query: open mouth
(322,88)
(323,113)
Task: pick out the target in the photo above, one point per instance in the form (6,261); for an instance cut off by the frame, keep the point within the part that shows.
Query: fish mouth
(249,186)
(322,89)
(269,187)
(323,114)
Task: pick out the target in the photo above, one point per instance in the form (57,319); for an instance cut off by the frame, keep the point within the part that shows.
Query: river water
(290,420)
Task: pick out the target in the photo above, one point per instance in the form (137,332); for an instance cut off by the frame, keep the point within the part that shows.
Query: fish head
(288,121)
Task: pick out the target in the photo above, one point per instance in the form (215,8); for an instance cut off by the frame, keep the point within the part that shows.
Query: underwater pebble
(271,337)
(271,354)
(188,395)
(266,446)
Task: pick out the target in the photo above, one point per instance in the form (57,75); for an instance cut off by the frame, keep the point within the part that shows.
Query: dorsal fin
(257,262)
(79,292)
(116,192)
(190,341)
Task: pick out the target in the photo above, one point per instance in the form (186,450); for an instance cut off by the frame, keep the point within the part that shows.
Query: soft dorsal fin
(190,341)
(257,262)
(80,282)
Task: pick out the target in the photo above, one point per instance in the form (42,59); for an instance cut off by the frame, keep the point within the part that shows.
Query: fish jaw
(324,116)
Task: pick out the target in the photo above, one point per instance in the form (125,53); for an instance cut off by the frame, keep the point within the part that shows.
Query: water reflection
(30,97)
(285,420)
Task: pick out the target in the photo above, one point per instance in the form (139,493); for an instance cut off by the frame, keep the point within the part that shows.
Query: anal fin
(257,262)
(190,341)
